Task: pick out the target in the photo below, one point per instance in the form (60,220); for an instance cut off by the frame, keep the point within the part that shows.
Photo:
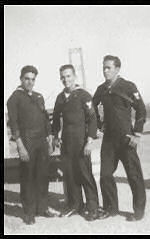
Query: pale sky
(42,36)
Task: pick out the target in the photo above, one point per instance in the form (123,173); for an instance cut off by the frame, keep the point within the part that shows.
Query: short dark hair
(115,59)
(27,69)
(68,66)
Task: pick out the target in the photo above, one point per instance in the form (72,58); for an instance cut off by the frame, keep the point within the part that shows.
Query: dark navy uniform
(28,121)
(79,122)
(117,102)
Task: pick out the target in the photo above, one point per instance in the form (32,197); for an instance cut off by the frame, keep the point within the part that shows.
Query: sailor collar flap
(35,98)
(72,94)
(114,90)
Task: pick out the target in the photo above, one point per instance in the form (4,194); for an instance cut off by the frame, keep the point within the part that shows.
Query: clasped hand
(51,147)
(23,153)
(87,149)
(134,140)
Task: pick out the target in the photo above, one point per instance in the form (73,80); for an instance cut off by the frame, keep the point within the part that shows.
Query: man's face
(110,70)
(28,81)
(67,77)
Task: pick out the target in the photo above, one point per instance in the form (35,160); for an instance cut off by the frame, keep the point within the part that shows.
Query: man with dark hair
(115,59)
(27,69)
(68,66)
(118,96)
(75,107)
(32,132)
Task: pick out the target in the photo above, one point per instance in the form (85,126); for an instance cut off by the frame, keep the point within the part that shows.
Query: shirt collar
(75,88)
(107,83)
(20,87)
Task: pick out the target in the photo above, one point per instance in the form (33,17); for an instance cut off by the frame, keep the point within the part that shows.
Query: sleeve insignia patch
(136,95)
(89,104)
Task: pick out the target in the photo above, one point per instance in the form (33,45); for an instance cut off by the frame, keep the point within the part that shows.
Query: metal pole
(79,51)
(82,69)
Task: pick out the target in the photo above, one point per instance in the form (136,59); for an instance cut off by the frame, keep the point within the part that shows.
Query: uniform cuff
(138,127)
(137,134)
(93,136)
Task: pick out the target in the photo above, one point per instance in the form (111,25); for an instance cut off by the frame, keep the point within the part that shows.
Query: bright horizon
(42,36)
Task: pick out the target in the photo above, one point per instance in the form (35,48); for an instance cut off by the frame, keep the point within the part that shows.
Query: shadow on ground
(55,201)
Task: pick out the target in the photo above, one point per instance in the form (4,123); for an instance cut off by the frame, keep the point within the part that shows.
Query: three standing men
(32,131)
(120,138)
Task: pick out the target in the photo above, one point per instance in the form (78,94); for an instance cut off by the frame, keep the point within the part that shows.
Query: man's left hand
(50,144)
(88,147)
(134,140)
(50,149)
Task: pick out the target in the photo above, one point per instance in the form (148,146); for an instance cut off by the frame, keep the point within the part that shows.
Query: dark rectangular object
(12,169)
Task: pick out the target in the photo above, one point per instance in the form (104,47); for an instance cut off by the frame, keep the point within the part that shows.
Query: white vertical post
(76,59)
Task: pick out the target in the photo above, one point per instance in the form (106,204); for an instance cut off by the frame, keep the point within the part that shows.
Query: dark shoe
(84,212)
(133,218)
(29,219)
(92,215)
(69,213)
(105,214)
(47,213)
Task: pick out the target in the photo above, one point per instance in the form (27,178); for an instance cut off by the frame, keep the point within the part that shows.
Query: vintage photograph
(76,120)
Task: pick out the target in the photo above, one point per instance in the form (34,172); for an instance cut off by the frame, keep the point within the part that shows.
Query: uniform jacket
(117,102)
(27,112)
(77,112)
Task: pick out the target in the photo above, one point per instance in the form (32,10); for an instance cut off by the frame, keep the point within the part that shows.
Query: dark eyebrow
(27,78)
(63,76)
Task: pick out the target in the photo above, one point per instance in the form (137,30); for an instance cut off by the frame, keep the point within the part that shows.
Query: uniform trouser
(34,177)
(111,152)
(77,170)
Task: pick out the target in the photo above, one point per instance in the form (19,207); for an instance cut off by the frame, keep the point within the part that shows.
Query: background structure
(42,36)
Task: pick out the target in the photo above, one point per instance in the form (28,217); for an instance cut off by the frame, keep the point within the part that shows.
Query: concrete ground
(13,224)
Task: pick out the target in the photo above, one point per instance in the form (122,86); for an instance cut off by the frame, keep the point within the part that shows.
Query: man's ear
(118,69)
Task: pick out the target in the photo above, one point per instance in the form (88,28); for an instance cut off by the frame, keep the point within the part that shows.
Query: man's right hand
(101,126)
(23,154)
(57,142)
(134,140)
